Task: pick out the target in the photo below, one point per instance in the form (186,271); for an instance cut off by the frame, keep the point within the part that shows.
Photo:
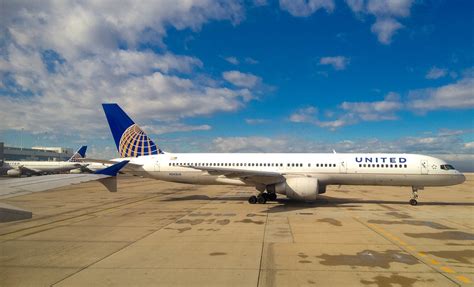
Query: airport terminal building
(34,153)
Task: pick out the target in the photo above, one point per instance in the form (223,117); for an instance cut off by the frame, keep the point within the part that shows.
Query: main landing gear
(262,198)
(414,191)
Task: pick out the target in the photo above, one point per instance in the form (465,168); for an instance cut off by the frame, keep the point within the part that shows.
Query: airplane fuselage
(40,166)
(330,169)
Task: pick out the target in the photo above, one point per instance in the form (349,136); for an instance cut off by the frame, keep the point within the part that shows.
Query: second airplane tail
(80,153)
(130,139)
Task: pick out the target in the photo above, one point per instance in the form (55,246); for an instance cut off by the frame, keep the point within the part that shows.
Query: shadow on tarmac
(285,204)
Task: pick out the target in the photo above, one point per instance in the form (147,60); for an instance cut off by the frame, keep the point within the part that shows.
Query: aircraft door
(342,166)
(424,166)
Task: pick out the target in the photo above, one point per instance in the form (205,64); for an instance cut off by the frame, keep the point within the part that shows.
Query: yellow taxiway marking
(463,279)
(431,261)
(447,269)
(421,254)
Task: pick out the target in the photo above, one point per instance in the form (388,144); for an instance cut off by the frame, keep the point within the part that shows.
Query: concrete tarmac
(154,233)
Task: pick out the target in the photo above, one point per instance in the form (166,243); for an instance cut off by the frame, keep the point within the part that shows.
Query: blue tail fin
(130,139)
(80,153)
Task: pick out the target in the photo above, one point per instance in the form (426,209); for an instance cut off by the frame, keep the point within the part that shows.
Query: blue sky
(355,75)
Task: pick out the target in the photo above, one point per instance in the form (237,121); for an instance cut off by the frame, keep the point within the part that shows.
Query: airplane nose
(460,178)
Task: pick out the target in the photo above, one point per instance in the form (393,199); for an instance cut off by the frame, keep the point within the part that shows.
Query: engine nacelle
(299,188)
(13,172)
(75,171)
(321,189)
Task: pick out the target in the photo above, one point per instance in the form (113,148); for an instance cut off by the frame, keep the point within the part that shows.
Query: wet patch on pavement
(393,280)
(369,258)
(189,221)
(217,253)
(460,256)
(201,214)
(398,215)
(180,230)
(253,215)
(331,221)
(251,221)
(223,222)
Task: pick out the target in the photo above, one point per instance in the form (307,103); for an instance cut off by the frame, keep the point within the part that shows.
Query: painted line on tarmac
(412,250)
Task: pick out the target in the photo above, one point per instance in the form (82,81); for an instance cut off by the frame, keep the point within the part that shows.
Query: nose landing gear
(414,191)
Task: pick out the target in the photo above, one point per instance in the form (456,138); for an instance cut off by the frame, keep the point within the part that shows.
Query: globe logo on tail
(134,142)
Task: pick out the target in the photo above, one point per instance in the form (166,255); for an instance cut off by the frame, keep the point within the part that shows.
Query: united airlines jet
(18,168)
(299,176)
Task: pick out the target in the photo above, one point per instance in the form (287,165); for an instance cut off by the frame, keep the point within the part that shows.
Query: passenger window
(405,166)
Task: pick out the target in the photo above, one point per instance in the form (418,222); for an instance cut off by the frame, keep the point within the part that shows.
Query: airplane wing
(249,176)
(21,186)
(104,161)
(29,170)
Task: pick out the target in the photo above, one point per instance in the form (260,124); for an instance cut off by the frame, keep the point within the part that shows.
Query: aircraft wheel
(261,199)
(272,196)
(253,199)
(413,202)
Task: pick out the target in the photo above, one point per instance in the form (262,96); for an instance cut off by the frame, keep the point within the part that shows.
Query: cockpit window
(447,166)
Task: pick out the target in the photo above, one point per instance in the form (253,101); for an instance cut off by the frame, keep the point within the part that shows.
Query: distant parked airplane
(18,168)
(300,176)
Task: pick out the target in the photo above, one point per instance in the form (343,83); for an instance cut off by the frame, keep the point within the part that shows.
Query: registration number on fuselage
(175,173)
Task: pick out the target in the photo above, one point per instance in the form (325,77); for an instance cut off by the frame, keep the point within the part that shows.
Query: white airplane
(18,168)
(300,176)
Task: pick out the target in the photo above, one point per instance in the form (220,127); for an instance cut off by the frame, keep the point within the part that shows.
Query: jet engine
(299,188)
(321,189)
(75,171)
(13,172)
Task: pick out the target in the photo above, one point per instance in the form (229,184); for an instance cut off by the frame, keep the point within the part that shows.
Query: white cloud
(256,121)
(232,60)
(304,8)
(93,59)
(374,111)
(337,62)
(385,29)
(350,113)
(386,13)
(243,144)
(251,61)
(167,127)
(436,73)
(73,28)
(396,8)
(240,79)
(459,95)
(469,145)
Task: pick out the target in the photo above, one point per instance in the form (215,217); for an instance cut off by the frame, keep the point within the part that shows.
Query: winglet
(114,169)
